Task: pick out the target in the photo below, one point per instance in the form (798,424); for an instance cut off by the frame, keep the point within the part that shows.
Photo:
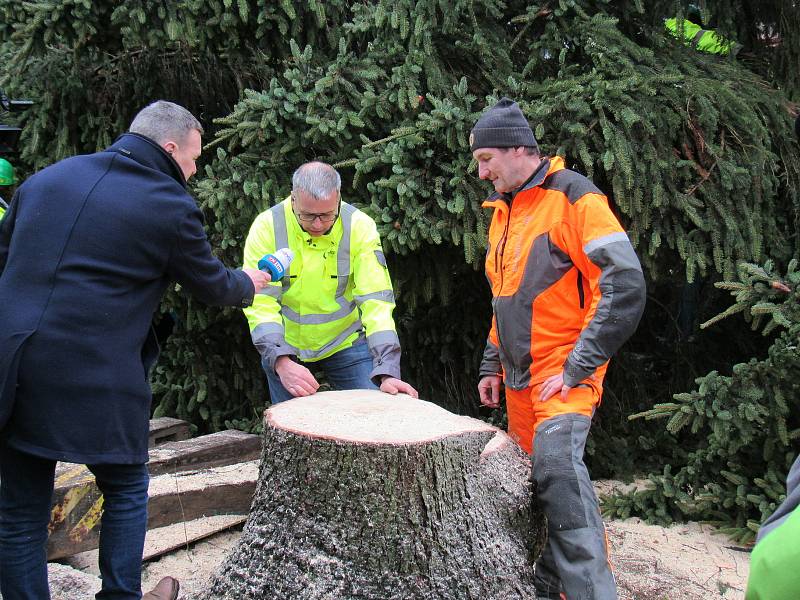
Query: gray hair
(318,179)
(164,121)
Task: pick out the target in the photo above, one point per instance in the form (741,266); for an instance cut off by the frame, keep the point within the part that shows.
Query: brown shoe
(166,589)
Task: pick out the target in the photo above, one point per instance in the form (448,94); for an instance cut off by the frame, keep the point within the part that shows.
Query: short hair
(164,121)
(318,179)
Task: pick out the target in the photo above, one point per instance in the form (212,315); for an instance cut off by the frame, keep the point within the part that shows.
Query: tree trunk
(370,496)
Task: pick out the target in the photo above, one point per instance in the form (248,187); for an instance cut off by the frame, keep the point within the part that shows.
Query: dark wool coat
(86,251)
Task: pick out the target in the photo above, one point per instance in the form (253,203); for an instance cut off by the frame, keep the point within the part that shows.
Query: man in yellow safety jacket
(333,307)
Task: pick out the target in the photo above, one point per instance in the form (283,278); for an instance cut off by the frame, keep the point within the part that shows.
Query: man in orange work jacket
(567,291)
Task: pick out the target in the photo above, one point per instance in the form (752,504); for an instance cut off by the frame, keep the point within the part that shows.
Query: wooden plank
(163,540)
(215,449)
(167,429)
(77,503)
(174,498)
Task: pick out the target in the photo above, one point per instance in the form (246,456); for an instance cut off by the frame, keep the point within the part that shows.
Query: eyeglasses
(308,218)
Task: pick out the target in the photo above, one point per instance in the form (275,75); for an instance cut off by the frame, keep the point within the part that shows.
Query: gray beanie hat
(502,126)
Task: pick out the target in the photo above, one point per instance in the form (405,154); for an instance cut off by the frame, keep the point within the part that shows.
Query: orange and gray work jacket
(335,291)
(567,287)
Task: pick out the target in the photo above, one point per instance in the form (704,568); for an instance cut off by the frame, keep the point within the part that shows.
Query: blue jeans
(348,369)
(26,491)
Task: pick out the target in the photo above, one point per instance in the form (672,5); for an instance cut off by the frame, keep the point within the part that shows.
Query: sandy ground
(683,562)
(687,561)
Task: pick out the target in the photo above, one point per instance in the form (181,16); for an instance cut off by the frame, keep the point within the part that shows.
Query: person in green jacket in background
(704,40)
(6,181)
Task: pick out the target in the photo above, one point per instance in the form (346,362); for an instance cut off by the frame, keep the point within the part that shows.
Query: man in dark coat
(87,249)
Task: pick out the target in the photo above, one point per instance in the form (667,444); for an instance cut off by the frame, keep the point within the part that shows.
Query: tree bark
(370,496)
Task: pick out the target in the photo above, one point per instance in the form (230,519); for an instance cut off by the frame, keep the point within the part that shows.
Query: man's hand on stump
(392,385)
(296,378)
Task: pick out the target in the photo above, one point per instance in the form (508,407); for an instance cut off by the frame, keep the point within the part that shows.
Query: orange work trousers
(526,412)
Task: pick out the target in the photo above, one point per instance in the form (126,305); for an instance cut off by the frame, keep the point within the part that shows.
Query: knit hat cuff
(501,137)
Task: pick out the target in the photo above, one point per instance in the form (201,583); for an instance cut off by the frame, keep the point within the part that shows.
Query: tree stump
(371,496)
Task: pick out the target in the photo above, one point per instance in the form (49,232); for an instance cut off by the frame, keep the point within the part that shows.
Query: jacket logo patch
(552,429)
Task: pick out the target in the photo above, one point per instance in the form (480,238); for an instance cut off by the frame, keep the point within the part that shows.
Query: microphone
(276,264)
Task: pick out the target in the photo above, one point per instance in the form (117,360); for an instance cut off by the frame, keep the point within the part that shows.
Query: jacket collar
(148,153)
(536,178)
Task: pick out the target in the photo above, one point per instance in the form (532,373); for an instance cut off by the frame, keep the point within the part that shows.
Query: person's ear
(170,147)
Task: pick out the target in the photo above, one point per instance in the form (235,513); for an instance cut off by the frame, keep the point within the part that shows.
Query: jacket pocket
(581,296)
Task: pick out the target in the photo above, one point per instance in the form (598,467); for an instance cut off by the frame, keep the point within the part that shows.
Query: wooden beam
(174,498)
(167,429)
(77,503)
(215,449)
(164,540)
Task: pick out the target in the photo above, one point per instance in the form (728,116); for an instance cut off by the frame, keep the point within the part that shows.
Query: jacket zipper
(498,263)
(580,289)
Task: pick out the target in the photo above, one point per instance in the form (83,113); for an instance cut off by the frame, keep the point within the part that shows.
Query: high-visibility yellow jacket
(705,40)
(336,290)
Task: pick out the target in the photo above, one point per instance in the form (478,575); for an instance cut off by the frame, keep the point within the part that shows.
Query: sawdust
(682,562)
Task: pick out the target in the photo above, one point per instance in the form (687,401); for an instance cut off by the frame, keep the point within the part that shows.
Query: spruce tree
(695,152)
(742,428)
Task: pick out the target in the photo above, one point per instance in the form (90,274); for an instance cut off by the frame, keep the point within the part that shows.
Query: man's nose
(482,171)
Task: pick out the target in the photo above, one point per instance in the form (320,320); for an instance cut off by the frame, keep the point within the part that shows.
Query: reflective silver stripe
(270,343)
(618,236)
(273,291)
(381,257)
(343,254)
(382,337)
(267,328)
(267,335)
(385,295)
(311,354)
(266,331)
(318,319)
(281,237)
